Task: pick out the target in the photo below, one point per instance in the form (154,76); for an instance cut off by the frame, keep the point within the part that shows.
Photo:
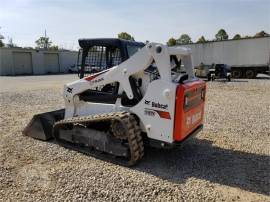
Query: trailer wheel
(229,78)
(250,74)
(236,73)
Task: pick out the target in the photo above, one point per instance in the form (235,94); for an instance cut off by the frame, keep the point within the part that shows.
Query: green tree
(1,43)
(126,36)
(221,35)
(237,36)
(54,48)
(246,37)
(184,39)
(261,34)
(201,40)
(43,42)
(171,42)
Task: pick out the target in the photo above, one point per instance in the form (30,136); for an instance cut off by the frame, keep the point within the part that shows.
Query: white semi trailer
(247,57)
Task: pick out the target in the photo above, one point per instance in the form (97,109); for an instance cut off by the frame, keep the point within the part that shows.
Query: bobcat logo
(147,102)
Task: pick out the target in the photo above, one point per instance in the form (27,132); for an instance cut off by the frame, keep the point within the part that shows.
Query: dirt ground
(228,161)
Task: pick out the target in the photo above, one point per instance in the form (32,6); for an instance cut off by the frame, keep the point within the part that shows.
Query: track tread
(133,132)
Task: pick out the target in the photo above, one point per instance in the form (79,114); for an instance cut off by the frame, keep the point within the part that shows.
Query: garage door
(22,63)
(51,62)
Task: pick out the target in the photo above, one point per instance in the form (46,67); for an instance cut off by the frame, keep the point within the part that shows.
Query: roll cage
(103,53)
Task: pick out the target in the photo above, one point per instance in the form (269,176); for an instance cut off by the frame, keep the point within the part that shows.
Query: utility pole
(46,41)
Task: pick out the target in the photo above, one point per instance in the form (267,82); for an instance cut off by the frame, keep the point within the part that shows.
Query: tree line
(42,42)
(221,35)
(45,43)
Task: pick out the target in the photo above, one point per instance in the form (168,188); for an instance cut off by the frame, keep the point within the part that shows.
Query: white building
(19,61)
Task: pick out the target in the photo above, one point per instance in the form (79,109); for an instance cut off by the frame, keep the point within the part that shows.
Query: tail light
(194,98)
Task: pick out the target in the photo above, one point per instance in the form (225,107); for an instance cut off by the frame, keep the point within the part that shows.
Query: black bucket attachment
(41,125)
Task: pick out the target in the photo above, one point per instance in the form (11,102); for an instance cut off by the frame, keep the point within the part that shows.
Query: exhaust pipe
(41,125)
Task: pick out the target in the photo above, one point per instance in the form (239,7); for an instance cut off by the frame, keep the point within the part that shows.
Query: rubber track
(133,134)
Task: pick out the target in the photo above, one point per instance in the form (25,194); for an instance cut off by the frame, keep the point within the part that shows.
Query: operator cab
(100,54)
(103,53)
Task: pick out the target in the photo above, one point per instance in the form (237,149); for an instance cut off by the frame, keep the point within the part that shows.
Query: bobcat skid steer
(133,95)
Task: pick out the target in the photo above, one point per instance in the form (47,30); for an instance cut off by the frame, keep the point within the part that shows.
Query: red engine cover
(189,108)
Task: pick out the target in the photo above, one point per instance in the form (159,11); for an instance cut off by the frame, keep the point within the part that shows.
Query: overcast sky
(153,20)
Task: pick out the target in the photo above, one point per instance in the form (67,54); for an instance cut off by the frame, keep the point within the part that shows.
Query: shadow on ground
(199,159)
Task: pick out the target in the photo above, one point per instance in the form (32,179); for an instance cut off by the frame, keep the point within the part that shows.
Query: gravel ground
(228,161)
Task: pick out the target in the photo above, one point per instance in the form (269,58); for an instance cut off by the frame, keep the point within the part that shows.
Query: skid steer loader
(131,95)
